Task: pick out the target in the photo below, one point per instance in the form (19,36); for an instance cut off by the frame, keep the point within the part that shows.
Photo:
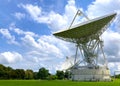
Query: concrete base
(86,74)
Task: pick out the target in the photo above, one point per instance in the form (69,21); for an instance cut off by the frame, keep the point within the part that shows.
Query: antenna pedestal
(85,74)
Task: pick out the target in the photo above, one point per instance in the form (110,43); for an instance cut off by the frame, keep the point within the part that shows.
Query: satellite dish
(86,36)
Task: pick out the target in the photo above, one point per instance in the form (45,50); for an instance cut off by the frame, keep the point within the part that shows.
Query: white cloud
(70,9)
(5,33)
(19,31)
(8,36)
(54,20)
(111,45)
(102,7)
(41,49)
(34,11)
(10,57)
(113,67)
(19,15)
(118,67)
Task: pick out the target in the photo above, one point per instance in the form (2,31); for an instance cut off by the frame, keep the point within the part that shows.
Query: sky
(26,28)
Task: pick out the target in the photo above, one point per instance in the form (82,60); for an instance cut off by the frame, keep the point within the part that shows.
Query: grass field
(55,83)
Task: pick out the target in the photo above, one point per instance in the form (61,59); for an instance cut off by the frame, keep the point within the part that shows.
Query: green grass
(55,83)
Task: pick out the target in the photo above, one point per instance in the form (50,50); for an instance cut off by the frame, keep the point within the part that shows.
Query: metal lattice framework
(86,36)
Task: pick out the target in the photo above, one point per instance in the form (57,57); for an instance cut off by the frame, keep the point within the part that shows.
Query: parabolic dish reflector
(86,29)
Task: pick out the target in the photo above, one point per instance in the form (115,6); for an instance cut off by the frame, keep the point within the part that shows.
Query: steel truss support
(90,52)
(79,12)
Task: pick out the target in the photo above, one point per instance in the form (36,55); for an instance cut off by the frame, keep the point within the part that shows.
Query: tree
(29,74)
(60,74)
(20,73)
(52,77)
(2,71)
(5,72)
(35,75)
(43,73)
(117,76)
(8,71)
(67,75)
(13,74)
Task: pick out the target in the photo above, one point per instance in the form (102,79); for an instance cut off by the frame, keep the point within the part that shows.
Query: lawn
(55,83)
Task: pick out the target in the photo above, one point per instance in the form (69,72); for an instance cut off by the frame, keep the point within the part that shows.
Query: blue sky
(11,7)
(26,28)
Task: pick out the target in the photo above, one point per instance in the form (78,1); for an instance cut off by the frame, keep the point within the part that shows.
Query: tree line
(43,74)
